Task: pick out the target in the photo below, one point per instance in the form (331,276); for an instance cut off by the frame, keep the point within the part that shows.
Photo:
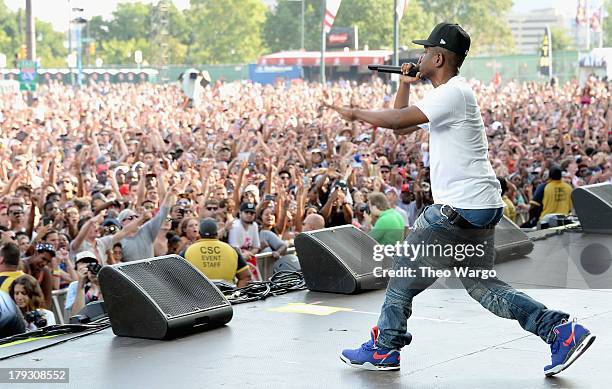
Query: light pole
(395,83)
(323,36)
(79,22)
(79,11)
(30,32)
(302,47)
(70,39)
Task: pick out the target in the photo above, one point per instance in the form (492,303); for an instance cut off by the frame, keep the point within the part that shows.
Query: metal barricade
(59,301)
(265,263)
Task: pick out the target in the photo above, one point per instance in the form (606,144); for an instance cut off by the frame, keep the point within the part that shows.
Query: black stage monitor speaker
(339,260)
(593,205)
(510,242)
(161,298)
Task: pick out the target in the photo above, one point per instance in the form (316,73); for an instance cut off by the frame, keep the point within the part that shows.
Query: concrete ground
(293,341)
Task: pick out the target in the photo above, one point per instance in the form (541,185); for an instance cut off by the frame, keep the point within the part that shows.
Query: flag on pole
(401,8)
(331,9)
(596,20)
(545,62)
(581,12)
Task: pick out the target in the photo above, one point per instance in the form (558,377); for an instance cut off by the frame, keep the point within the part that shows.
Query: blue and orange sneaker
(571,341)
(371,357)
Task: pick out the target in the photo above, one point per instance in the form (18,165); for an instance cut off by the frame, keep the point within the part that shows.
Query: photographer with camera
(87,288)
(28,296)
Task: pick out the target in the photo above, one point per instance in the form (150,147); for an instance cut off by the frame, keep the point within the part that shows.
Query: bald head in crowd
(312,222)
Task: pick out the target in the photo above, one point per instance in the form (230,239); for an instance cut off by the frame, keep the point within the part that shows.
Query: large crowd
(115,173)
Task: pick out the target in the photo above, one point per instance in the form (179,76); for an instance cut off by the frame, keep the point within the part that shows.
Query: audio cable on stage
(280,283)
(80,330)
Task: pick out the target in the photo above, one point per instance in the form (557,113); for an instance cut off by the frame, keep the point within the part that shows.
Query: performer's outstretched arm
(396,119)
(403,119)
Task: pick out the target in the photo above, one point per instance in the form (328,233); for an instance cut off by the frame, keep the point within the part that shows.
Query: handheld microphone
(394,69)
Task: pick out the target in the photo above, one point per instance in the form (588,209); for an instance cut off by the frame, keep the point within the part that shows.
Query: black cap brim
(423,42)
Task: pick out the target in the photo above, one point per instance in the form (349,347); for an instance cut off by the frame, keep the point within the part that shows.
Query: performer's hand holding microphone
(409,71)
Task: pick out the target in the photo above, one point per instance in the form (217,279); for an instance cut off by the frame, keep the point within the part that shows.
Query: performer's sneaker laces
(571,340)
(371,357)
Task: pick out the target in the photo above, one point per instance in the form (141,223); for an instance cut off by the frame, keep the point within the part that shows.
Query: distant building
(528,28)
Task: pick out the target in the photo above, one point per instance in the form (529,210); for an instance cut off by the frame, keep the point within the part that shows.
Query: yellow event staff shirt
(557,198)
(7,278)
(217,260)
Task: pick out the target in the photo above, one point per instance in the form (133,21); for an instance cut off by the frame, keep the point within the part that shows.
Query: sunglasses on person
(211,208)
(45,248)
(385,171)
(17,213)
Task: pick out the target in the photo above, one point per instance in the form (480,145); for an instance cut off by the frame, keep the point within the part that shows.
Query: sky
(57,11)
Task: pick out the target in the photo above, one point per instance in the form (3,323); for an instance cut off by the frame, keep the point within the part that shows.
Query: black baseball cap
(449,36)
(555,173)
(208,228)
(248,207)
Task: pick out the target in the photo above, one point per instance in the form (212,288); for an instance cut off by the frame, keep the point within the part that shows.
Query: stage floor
(293,341)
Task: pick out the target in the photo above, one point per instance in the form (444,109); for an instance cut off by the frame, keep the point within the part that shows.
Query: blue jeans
(495,295)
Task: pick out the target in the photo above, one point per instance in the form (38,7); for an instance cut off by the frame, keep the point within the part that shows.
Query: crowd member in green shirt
(389,225)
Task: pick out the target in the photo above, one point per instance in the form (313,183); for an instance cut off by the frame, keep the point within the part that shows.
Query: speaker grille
(174,285)
(510,241)
(603,191)
(353,246)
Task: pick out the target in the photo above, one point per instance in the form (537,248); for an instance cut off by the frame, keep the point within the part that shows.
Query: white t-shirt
(244,239)
(461,174)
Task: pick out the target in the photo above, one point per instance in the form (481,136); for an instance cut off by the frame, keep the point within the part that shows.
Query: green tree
(484,20)
(50,45)
(607,24)
(115,51)
(282,29)
(130,21)
(227,31)
(560,38)
(98,29)
(374,19)
(175,39)
(416,24)
(11,36)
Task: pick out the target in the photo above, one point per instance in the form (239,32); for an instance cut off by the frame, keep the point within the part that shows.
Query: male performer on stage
(467,207)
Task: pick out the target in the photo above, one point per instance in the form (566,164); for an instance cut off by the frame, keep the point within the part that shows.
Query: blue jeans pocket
(432,216)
